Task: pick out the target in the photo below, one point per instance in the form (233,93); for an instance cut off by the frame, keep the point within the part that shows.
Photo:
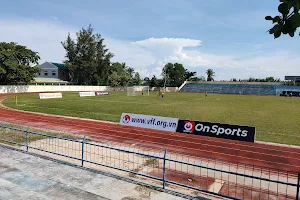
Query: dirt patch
(185,178)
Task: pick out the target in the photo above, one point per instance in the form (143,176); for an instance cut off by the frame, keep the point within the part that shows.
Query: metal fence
(172,170)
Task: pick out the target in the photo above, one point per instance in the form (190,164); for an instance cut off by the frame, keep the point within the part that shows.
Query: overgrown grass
(277,119)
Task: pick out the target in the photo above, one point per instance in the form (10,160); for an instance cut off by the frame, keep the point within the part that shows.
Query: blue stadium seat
(255,89)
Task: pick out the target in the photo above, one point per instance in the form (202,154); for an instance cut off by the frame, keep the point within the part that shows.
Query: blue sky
(226,35)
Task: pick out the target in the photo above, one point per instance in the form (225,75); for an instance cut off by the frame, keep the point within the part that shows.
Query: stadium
(215,118)
(150,100)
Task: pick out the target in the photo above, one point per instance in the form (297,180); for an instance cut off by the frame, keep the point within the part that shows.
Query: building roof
(59,65)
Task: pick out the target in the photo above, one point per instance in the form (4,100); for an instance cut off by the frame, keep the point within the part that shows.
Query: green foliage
(87,58)
(194,79)
(176,74)
(15,61)
(119,75)
(154,82)
(210,74)
(201,78)
(268,79)
(146,81)
(130,71)
(137,79)
(289,19)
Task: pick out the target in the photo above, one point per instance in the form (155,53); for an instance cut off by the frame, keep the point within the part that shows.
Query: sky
(229,36)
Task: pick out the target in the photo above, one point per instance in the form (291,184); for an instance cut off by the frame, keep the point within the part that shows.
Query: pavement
(25,176)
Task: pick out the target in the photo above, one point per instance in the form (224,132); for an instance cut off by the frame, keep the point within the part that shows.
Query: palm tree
(210,74)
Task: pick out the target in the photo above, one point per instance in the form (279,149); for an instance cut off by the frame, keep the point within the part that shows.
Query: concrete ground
(24,176)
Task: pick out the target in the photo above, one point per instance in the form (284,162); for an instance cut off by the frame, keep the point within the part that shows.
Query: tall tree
(15,64)
(190,75)
(176,74)
(210,74)
(119,76)
(195,78)
(270,79)
(137,79)
(153,82)
(289,19)
(130,71)
(146,81)
(87,58)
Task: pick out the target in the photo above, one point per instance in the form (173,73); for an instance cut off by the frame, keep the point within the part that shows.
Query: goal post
(137,90)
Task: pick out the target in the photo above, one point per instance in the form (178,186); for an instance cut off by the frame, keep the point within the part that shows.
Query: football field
(277,119)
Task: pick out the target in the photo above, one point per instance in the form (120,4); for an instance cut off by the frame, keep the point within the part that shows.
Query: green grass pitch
(277,119)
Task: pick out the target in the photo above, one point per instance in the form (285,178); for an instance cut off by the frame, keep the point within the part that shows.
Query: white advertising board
(86,94)
(101,93)
(50,95)
(148,121)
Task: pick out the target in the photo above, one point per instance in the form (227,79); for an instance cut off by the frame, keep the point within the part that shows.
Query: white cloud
(42,36)
(148,56)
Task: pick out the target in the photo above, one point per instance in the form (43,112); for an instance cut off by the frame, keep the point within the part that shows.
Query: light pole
(165,72)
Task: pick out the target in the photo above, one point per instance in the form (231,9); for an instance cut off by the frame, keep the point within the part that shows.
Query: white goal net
(137,90)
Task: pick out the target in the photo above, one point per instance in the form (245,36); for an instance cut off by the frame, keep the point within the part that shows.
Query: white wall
(48,88)
(61,88)
(171,89)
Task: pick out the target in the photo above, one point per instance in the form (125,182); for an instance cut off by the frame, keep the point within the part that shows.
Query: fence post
(298,187)
(26,138)
(164,169)
(82,151)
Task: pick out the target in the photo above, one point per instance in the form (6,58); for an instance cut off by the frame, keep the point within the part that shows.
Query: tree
(153,82)
(129,70)
(160,82)
(137,79)
(210,75)
(176,74)
(114,79)
(15,64)
(270,79)
(87,58)
(190,75)
(202,78)
(196,79)
(119,76)
(146,81)
(289,19)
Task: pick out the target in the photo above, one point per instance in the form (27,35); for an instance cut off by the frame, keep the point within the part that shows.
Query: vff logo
(189,126)
(126,119)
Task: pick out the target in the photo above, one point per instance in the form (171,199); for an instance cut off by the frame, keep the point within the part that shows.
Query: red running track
(261,155)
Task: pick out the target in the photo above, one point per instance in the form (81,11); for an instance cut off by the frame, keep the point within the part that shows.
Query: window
(46,73)
(53,73)
(39,74)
